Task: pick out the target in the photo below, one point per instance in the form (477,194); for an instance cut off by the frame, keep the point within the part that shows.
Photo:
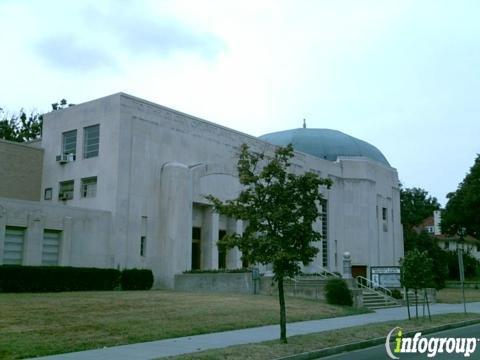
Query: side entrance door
(359,270)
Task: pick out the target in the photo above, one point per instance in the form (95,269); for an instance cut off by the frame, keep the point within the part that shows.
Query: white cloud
(401,75)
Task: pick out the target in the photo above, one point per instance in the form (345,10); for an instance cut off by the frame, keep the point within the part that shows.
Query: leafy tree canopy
(23,126)
(279,209)
(425,242)
(463,207)
(416,205)
(416,270)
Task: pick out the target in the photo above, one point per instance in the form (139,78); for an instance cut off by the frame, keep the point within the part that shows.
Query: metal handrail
(323,270)
(369,284)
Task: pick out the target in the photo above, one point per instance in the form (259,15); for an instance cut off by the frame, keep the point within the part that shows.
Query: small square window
(66,190)
(47,195)
(89,187)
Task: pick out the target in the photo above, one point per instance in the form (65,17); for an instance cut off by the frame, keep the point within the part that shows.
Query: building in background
(447,242)
(123,184)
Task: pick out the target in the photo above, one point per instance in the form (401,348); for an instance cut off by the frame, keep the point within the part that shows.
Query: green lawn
(450,295)
(42,324)
(311,342)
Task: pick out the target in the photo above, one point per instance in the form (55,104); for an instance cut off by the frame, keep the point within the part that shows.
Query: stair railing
(365,283)
(324,273)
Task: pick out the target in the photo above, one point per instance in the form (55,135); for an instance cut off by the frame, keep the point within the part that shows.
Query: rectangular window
(446,245)
(143,245)
(69,143)
(47,195)
(91,141)
(384,214)
(143,236)
(324,221)
(89,187)
(66,190)
(13,246)
(51,247)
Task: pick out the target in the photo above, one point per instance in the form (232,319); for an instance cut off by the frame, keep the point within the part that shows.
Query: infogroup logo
(429,346)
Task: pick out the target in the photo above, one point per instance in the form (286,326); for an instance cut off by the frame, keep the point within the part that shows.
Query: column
(210,239)
(33,239)
(175,250)
(66,242)
(234,255)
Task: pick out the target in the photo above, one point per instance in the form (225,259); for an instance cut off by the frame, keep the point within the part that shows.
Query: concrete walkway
(189,344)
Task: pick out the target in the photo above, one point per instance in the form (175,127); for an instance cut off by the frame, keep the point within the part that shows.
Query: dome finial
(304,124)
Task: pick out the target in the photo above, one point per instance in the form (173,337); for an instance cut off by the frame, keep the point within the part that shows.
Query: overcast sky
(402,75)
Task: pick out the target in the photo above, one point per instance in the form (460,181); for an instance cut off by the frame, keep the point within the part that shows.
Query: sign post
(461,270)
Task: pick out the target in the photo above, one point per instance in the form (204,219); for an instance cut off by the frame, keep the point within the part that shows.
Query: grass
(42,324)
(311,342)
(454,295)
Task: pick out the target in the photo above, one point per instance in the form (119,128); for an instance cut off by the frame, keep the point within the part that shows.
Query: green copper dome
(325,143)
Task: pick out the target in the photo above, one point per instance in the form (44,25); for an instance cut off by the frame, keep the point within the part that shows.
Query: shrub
(397,294)
(16,278)
(137,279)
(337,292)
(470,265)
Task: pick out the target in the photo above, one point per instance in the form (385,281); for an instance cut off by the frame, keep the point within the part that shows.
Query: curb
(372,342)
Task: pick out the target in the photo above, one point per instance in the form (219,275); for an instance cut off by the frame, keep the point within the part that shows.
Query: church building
(120,182)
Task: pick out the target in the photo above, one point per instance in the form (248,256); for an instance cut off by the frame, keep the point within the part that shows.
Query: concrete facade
(20,170)
(154,168)
(84,235)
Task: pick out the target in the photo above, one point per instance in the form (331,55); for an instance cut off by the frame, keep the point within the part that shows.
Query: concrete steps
(372,300)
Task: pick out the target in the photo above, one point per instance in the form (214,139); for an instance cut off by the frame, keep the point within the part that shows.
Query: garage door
(13,246)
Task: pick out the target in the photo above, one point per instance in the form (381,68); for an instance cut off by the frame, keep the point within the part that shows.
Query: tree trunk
(283,317)
(416,304)
(408,303)
(428,305)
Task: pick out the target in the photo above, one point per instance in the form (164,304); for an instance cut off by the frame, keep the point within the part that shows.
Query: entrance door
(222,251)
(359,270)
(196,248)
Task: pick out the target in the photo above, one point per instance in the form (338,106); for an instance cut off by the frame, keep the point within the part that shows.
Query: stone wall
(240,283)
(20,171)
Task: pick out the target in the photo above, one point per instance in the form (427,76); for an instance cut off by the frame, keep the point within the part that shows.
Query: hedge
(17,278)
(136,279)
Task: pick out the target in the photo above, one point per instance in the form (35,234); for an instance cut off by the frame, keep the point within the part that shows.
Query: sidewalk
(189,344)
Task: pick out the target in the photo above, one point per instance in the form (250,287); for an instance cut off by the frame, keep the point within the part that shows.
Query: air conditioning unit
(65,196)
(65,158)
(62,159)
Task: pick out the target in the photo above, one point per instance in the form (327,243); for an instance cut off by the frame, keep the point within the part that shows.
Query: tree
(279,209)
(425,242)
(462,210)
(416,270)
(470,265)
(415,206)
(22,127)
